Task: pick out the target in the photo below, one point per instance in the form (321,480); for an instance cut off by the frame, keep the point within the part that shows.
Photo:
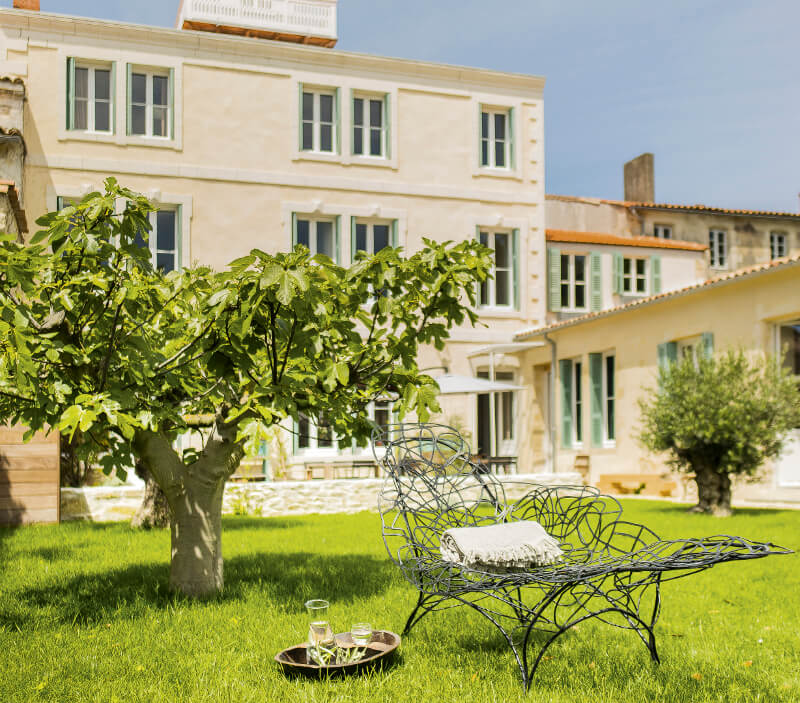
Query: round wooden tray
(380,652)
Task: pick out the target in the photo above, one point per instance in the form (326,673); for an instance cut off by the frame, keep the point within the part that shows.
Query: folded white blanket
(512,544)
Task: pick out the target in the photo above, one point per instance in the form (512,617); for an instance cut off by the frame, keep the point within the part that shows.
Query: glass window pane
(102,83)
(324,434)
(640,266)
(326,137)
(580,268)
(381,235)
(308,106)
(500,127)
(580,296)
(137,119)
(141,238)
(501,288)
(361,237)
(102,119)
(159,122)
(358,111)
(81,82)
(484,125)
(303,227)
(160,90)
(326,108)
(501,250)
(138,88)
(358,140)
(165,262)
(499,154)
(610,376)
(485,293)
(483,237)
(626,267)
(565,264)
(565,295)
(302,433)
(610,419)
(484,153)
(308,135)
(165,230)
(375,139)
(376,113)
(81,114)
(325,238)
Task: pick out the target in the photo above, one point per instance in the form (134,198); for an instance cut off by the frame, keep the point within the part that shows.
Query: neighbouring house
(603,362)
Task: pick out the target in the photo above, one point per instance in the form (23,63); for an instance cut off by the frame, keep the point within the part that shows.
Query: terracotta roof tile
(561,235)
(702,208)
(750,271)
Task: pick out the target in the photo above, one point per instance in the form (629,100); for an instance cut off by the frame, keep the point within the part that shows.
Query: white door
(788,465)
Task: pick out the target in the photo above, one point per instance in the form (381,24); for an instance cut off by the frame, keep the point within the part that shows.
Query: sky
(711,87)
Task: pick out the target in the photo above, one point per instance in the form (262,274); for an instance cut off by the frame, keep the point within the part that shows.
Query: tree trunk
(196,527)
(713,492)
(154,510)
(74,471)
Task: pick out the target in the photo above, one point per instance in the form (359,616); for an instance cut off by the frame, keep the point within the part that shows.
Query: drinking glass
(319,630)
(361,632)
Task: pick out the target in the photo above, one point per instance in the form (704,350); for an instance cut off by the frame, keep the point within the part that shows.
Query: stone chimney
(27,5)
(640,182)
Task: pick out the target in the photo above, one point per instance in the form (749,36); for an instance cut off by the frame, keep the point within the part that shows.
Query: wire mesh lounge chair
(612,570)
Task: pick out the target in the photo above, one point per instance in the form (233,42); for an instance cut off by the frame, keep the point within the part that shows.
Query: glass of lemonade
(319,629)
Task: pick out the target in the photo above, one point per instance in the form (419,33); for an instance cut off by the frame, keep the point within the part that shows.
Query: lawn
(85,615)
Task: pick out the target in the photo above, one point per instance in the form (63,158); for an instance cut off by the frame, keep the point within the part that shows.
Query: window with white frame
(371,236)
(314,435)
(501,439)
(370,121)
(577,402)
(634,276)
(777,245)
(609,398)
(499,290)
(149,103)
(495,138)
(318,121)
(163,240)
(90,98)
(573,282)
(318,234)
(718,248)
(662,231)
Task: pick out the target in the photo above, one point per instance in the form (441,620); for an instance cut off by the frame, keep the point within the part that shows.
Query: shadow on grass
(131,592)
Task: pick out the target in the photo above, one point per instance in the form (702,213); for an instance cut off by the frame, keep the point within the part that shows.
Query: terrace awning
(453,384)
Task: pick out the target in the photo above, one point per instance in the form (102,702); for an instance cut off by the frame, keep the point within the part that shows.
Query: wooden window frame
(718,248)
(777,245)
(367,127)
(490,285)
(491,139)
(91,99)
(316,121)
(572,283)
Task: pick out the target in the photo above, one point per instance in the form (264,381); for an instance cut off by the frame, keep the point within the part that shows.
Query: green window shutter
(352,239)
(395,235)
(479,145)
(707,343)
(554,284)
(338,120)
(294,230)
(565,379)
(172,103)
(515,266)
(128,96)
(596,398)
(70,93)
(655,274)
(113,96)
(300,117)
(667,354)
(511,156)
(295,437)
(337,225)
(596,282)
(617,273)
(387,109)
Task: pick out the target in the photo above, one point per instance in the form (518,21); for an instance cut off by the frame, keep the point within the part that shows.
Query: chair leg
(411,618)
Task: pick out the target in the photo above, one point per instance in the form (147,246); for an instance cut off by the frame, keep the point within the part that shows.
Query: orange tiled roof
(749,272)
(562,235)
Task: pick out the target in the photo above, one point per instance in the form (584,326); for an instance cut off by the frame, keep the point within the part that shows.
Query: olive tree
(718,417)
(94,341)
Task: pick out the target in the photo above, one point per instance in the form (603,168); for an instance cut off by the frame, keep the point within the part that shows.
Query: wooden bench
(637,484)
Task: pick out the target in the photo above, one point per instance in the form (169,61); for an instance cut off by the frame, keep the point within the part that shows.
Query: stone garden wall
(116,503)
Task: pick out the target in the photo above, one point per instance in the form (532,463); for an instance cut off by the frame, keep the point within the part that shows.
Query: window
(90,99)
(311,435)
(718,248)
(501,441)
(501,290)
(777,245)
(570,372)
(634,276)
(577,402)
(609,397)
(573,281)
(149,103)
(371,237)
(495,138)
(164,240)
(662,231)
(318,234)
(370,120)
(319,120)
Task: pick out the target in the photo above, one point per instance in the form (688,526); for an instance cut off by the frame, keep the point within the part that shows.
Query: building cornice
(196,44)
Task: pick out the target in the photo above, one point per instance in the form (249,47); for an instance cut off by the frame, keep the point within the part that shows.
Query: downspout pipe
(551,405)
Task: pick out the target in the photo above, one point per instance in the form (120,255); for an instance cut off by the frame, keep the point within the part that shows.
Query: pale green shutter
(511,159)
(667,354)
(707,343)
(128,98)
(338,121)
(565,378)
(554,282)
(596,398)
(300,118)
(337,243)
(113,97)
(655,274)
(295,437)
(352,239)
(617,273)
(294,230)
(395,235)
(596,282)
(70,93)
(515,266)
(172,103)
(387,108)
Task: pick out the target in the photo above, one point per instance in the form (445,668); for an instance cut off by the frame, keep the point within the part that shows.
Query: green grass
(85,616)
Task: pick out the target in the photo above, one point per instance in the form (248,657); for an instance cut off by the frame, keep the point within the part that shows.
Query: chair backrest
(431,485)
